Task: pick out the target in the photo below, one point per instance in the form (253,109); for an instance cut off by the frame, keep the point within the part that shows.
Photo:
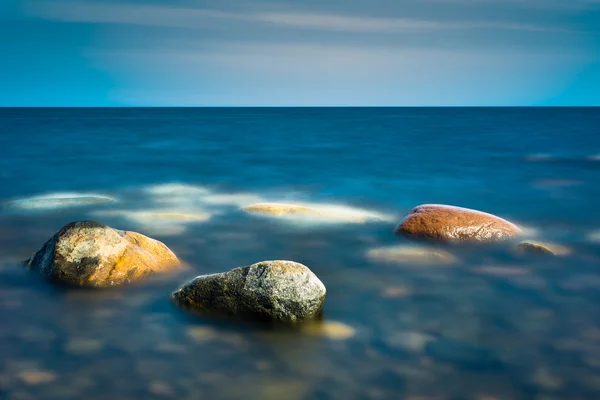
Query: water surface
(490,325)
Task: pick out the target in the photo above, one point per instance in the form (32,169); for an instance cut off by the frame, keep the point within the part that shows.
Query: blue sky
(293,52)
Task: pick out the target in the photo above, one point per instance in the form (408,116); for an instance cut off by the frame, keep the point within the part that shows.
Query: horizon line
(309,106)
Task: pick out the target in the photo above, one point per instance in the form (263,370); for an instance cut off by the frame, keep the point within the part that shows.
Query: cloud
(305,73)
(189,17)
(531,4)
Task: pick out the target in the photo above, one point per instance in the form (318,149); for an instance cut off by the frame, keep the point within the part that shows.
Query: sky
(299,53)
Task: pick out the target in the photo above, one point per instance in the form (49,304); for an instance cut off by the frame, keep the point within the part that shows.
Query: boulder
(283,291)
(455,224)
(95,255)
(538,248)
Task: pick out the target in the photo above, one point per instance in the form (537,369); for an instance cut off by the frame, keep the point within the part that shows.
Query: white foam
(166,222)
(195,196)
(176,189)
(594,236)
(60,200)
(232,199)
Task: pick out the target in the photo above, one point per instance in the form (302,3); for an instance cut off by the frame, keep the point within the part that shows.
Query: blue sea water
(491,326)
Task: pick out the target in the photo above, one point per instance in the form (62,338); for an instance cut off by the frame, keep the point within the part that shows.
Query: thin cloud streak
(186,17)
(531,4)
(304,74)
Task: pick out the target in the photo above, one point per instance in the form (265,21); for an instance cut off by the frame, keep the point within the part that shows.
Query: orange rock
(92,254)
(455,224)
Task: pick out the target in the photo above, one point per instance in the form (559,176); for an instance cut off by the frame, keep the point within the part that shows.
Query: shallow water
(486,325)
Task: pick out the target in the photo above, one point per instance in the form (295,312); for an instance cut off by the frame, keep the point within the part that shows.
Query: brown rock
(92,254)
(37,377)
(455,224)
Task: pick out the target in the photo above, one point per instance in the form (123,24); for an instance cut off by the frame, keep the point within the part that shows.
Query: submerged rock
(316,212)
(533,249)
(283,291)
(411,255)
(537,248)
(92,254)
(455,224)
(331,330)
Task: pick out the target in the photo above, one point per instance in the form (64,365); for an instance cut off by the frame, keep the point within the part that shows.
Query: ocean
(477,323)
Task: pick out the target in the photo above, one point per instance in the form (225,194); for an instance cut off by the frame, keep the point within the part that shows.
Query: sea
(401,320)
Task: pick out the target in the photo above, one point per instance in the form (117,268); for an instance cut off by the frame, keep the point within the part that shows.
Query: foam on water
(594,236)
(59,200)
(176,189)
(166,222)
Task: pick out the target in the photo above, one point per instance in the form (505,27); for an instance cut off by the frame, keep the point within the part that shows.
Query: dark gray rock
(283,291)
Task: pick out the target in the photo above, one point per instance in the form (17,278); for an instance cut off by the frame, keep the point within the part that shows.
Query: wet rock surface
(455,224)
(528,248)
(531,248)
(90,254)
(283,291)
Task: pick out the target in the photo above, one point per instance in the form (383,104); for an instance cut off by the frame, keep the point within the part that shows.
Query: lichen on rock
(91,254)
(283,291)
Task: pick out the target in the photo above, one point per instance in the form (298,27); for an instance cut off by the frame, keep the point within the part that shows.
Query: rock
(161,389)
(394,292)
(331,329)
(92,254)
(455,224)
(37,377)
(537,248)
(411,256)
(533,249)
(316,212)
(283,291)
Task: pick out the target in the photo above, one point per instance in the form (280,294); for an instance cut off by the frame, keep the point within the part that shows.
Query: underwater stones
(37,377)
(455,224)
(538,248)
(284,291)
(279,208)
(411,256)
(332,330)
(325,213)
(91,254)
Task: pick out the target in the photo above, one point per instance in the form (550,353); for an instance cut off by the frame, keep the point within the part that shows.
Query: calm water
(490,326)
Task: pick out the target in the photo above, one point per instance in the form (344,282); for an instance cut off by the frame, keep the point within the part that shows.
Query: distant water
(487,325)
